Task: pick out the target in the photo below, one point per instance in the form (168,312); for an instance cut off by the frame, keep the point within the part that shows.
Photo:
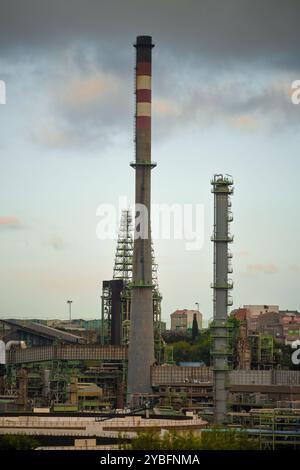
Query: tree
(181,351)
(283,356)
(197,350)
(209,439)
(195,328)
(201,348)
(227,439)
(234,335)
(10,442)
(152,440)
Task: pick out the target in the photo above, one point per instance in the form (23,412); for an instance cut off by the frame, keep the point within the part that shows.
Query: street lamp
(70,309)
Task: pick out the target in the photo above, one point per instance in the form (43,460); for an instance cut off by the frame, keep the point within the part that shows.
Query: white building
(183,319)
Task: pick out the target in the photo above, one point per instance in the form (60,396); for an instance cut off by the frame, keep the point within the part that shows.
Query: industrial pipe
(11,343)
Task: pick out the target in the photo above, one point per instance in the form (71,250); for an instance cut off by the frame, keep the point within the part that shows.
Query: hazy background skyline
(222,74)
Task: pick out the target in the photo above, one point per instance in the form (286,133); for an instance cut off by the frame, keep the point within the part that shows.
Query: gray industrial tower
(222,187)
(141,342)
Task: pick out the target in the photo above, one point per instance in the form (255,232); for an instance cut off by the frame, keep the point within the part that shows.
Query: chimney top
(144,41)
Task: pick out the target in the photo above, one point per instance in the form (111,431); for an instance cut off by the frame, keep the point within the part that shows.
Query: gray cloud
(239,104)
(92,107)
(85,104)
(229,62)
(229,30)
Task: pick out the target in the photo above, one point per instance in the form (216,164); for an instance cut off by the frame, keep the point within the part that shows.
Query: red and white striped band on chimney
(143,95)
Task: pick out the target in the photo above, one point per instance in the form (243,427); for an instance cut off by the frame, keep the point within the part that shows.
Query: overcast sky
(222,75)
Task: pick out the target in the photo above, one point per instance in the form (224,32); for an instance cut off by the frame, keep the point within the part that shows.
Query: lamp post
(70,309)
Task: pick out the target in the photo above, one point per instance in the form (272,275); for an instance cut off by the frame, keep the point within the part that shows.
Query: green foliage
(182,351)
(283,355)
(234,322)
(234,334)
(214,439)
(175,336)
(197,350)
(227,440)
(10,442)
(202,347)
(152,440)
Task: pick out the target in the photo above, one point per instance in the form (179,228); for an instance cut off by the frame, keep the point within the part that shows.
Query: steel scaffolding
(123,272)
(262,351)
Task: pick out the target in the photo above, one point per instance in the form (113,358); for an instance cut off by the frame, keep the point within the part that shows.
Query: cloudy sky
(222,75)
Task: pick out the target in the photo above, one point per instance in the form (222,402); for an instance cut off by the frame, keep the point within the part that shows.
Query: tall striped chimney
(141,341)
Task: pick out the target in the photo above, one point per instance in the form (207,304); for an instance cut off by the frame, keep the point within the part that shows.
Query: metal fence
(248,377)
(50,353)
(163,375)
(286,377)
(176,374)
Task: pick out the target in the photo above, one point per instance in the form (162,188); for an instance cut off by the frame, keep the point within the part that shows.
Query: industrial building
(35,334)
(57,376)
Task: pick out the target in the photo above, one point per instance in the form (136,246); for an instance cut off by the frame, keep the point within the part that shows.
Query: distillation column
(141,342)
(222,187)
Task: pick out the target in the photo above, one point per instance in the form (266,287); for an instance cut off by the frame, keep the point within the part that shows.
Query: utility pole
(70,309)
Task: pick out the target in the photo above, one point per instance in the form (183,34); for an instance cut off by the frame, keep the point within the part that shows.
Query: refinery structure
(116,293)
(222,187)
(120,368)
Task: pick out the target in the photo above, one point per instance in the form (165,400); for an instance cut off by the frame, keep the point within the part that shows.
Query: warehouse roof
(45,331)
